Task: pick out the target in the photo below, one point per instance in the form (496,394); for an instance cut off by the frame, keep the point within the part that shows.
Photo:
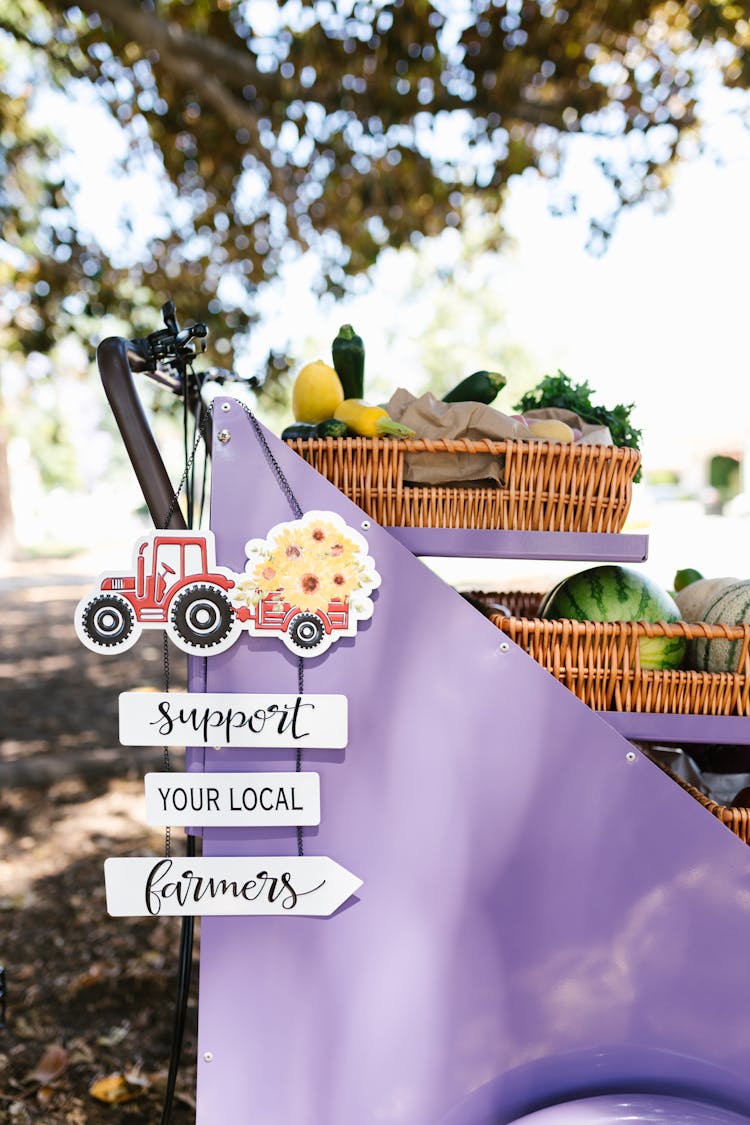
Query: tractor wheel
(306,630)
(202,617)
(108,623)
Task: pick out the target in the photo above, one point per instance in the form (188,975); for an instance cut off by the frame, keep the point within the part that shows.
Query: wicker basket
(599,661)
(548,486)
(736,820)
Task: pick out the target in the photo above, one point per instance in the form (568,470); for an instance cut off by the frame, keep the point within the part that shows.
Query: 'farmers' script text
(191,888)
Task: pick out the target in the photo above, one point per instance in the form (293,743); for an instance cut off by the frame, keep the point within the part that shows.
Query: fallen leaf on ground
(115,1035)
(117,1088)
(51,1065)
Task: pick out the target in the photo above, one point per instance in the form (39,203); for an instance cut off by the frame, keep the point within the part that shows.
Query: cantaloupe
(730,606)
(694,600)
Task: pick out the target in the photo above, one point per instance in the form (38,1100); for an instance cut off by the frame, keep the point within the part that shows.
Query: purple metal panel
(463,543)
(530,895)
(642,727)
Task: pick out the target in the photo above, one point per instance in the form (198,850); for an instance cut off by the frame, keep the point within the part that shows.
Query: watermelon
(550,594)
(617,593)
(730,606)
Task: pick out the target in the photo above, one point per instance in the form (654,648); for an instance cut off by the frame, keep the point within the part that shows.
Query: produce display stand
(544,916)
(478,543)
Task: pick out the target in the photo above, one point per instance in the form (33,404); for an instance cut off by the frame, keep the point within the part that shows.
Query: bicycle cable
(187,929)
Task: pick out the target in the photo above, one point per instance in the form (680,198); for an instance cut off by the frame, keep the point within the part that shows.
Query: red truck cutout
(177,586)
(305,628)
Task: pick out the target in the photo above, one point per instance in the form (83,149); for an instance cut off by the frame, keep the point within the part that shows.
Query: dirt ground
(89,998)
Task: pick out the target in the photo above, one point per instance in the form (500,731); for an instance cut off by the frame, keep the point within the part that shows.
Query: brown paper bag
(473,421)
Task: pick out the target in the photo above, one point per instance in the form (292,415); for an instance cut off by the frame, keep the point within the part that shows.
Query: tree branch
(193,74)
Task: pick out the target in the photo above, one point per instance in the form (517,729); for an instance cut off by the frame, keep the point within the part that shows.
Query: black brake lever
(169,315)
(167,347)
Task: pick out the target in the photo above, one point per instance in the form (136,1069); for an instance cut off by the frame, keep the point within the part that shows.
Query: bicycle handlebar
(166,356)
(117,361)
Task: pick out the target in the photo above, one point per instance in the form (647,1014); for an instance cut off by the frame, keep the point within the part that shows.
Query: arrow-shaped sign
(138,886)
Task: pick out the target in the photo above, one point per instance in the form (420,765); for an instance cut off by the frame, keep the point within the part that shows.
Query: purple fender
(645,1108)
(604,1080)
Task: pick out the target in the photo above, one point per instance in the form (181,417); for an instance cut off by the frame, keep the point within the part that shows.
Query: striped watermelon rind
(548,597)
(617,593)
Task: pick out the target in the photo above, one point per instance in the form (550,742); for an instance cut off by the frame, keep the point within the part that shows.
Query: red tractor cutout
(178,587)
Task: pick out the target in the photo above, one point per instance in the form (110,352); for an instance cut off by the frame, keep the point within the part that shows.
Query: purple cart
(548,929)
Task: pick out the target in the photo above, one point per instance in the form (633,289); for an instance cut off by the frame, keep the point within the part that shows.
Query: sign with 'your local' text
(210,799)
(233,719)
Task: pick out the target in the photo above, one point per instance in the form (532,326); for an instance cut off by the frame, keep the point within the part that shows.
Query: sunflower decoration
(263,577)
(289,543)
(307,587)
(309,562)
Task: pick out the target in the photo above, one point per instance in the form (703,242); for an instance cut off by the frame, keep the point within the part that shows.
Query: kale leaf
(558,390)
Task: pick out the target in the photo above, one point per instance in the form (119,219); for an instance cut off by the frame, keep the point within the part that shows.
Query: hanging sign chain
(167,762)
(276,469)
(200,435)
(294,504)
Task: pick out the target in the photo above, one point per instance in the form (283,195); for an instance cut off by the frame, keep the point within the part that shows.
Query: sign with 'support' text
(233,719)
(141,886)
(209,799)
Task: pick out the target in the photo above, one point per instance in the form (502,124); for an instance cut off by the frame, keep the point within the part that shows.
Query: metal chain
(286,488)
(167,762)
(165,649)
(294,504)
(298,766)
(189,462)
(283,483)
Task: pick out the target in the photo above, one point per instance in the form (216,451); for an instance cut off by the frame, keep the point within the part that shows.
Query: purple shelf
(641,726)
(459,543)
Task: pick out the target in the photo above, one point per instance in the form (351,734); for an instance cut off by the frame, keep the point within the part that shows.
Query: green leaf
(558,390)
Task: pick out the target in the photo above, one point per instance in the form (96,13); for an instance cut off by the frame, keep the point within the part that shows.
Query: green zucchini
(348,354)
(482,386)
(331,427)
(303,430)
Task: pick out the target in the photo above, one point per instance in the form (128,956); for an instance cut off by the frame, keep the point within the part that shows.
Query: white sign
(207,799)
(233,719)
(140,886)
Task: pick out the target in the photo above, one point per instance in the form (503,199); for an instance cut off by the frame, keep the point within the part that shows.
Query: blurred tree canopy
(338,126)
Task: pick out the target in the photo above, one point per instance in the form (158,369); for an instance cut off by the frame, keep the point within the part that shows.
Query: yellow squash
(316,393)
(551,429)
(369,421)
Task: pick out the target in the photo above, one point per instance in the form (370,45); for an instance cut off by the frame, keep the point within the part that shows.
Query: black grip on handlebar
(137,361)
(114,359)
